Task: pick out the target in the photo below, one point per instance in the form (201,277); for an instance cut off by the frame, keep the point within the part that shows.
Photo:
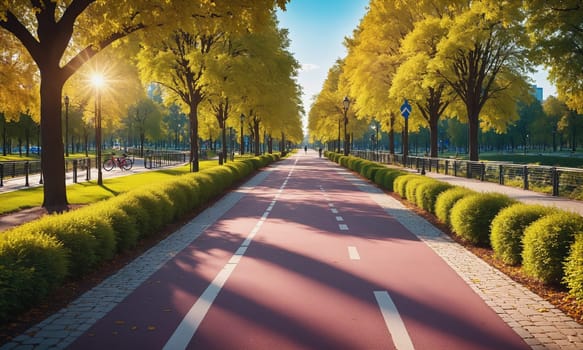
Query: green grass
(17,158)
(89,192)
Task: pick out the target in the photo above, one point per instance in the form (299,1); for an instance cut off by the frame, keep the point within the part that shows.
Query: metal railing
(157,159)
(557,181)
(30,169)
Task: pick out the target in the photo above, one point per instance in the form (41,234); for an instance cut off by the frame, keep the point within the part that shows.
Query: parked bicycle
(123,162)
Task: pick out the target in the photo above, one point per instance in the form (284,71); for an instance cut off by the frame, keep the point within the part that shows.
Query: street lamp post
(346,104)
(241,146)
(66,125)
(98,82)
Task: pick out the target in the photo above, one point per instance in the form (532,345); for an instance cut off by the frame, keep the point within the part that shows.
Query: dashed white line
(339,218)
(393,321)
(334,211)
(331,205)
(343,227)
(353,253)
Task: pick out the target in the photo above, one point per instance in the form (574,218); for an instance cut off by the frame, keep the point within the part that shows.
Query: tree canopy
(62,36)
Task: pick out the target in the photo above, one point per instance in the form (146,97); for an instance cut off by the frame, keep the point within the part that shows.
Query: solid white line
(343,227)
(183,334)
(190,323)
(353,253)
(394,321)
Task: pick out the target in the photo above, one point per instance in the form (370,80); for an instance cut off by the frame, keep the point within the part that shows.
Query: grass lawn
(89,192)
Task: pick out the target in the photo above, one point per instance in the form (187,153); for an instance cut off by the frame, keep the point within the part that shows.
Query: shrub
(389,178)
(256,163)
(412,187)
(447,199)
(372,170)
(81,247)
(380,175)
(574,268)
(124,226)
(471,216)
(427,193)
(400,184)
(133,209)
(154,210)
(508,230)
(546,245)
(32,264)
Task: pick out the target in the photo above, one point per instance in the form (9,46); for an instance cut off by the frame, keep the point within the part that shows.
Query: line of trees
(170,68)
(462,65)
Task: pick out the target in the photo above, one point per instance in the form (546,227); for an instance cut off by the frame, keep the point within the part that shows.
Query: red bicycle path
(305,260)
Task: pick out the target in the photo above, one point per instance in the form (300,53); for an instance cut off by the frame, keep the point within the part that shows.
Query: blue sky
(317,29)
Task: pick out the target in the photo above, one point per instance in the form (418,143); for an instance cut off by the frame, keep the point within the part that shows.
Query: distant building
(537,92)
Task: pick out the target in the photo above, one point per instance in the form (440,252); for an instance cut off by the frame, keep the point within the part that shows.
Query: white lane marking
(331,205)
(339,218)
(182,335)
(343,227)
(394,321)
(192,320)
(334,211)
(353,253)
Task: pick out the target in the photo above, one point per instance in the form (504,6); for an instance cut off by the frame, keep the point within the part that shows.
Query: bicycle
(123,162)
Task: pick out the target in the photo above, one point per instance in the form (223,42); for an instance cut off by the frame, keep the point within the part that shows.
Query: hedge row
(546,242)
(37,257)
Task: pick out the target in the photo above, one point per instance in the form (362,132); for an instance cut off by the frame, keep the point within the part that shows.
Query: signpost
(405,112)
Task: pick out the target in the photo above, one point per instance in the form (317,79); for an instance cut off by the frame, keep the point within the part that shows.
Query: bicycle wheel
(127,164)
(108,164)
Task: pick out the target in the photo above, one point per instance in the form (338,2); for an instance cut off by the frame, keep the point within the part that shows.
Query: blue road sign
(405,109)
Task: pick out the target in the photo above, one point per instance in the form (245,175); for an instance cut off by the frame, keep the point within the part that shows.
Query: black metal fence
(158,159)
(31,170)
(557,181)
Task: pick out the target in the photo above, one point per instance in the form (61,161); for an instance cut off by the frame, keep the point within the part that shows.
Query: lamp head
(346,102)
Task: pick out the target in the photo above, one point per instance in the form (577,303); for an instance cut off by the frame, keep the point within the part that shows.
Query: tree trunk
(433,135)
(52,156)
(473,126)
(256,131)
(193,116)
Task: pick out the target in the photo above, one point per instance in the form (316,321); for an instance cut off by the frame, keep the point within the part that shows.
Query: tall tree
(412,80)
(483,60)
(61,36)
(556,33)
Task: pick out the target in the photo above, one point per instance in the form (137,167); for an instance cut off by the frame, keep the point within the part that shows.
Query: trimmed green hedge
(32,265)
(400,184)
(546,245)
(38,256)
(428,192)
(447,199)
(508,230)
(471,216)
(574,268)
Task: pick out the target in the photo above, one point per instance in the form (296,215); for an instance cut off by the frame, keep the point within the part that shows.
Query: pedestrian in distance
(306,149)
(320,152)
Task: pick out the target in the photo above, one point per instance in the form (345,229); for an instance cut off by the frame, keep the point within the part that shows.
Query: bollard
(525,177)
(1,175)
(555,181)
(26,170)
(501,174)
(482,171)
(74,170)
(88,173)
